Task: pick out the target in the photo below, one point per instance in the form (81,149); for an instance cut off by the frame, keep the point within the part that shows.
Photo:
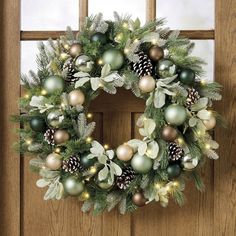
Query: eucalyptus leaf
(204,115)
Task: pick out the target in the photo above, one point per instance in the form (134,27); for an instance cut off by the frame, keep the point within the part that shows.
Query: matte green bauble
(114,58)
(99,37)
(73,186)
(175,114)
(54,118)
(187,76)
(105,184)
(54,84)
(166,68)
(84,63)
(173,171)
(141,164)
(37,124)
(86,162)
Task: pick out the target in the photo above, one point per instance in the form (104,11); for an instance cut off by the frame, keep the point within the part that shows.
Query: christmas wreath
(156,65)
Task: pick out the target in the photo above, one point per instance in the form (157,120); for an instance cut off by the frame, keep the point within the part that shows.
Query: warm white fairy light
(63,55)
(175,184)
(28,141)
(57,150)
(26,96)
(66,46)
(180,140)
(157,185)
(92,170)
(207,146)
(43,92)
(126,50)
(125,25)
(89,115)
(100,62)
(89,139)
(203,82)
(106,146)
(85,195)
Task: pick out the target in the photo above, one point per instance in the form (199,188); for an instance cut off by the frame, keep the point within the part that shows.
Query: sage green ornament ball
(114,58)
(175,114)
(105,184)
(84,63)
(141,164)
(99,37)
(54,118)
(37,124)
(166,68)
(173,171)
(86,162)
(54,84)
(73,186)
(187,76)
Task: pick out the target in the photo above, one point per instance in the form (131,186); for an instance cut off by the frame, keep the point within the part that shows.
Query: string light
(175,183)
(207,146)
(119,36)
(100,62)
(126,50)
(89,115)
(106,146)
(136,40)
(167,188)
(180,140)
(85,195)
(57,150)
(28,141)
(154,41)
(64,55)
(125,25)
(203,82)
(26,96)
(63,105)
(66,46)
(43,92)
(157,186)
(89,140)
(92,170)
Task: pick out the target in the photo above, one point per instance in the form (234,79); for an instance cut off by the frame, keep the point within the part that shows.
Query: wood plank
(9,89)
(116,130)
(44,35)
(59,217)
(127,102)
(225,167)
(83,11)
(150,10)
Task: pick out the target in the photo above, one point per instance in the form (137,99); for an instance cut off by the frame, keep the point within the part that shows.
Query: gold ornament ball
(169,133)
(61,136)
(211,123)
(156,53)
(124,152)
(75,49)
(54,161)
(139,199)
(147,84)
(76,97)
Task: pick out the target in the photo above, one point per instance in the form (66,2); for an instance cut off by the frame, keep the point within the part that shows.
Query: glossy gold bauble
(169,133)
(124,152)
(210,123)
(139,199)
(156,53)
(61,136)
(75,49)
(54,161)
(147,84)
(76,97)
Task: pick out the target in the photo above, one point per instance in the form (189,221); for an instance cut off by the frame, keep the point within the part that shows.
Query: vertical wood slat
(225,167)
(83,11)
(150,10)
(9,89)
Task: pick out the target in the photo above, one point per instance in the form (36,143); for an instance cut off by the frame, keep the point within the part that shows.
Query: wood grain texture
(9,89)
(44,35)
(150,10)
(83,11)
(225,167)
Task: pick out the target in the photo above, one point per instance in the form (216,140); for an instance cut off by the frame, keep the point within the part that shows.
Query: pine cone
(175,151)
(71,165)
(143,66)
(48,136)
(123,181)
(192,97)
(69,66)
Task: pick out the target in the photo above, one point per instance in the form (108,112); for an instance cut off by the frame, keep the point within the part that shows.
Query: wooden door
(23,210)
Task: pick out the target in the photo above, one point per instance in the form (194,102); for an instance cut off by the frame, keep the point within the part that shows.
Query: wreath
(156,65)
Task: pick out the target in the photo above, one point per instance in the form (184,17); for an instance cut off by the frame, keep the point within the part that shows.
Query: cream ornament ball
(147,84)
(175,114)
(210,123)
(73,186)
(54,161)
(124,152)
(76,97)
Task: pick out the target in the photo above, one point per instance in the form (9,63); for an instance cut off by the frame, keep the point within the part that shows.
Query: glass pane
(205,50)
(187,14)
(136,8)
(49,14)
(29,49)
